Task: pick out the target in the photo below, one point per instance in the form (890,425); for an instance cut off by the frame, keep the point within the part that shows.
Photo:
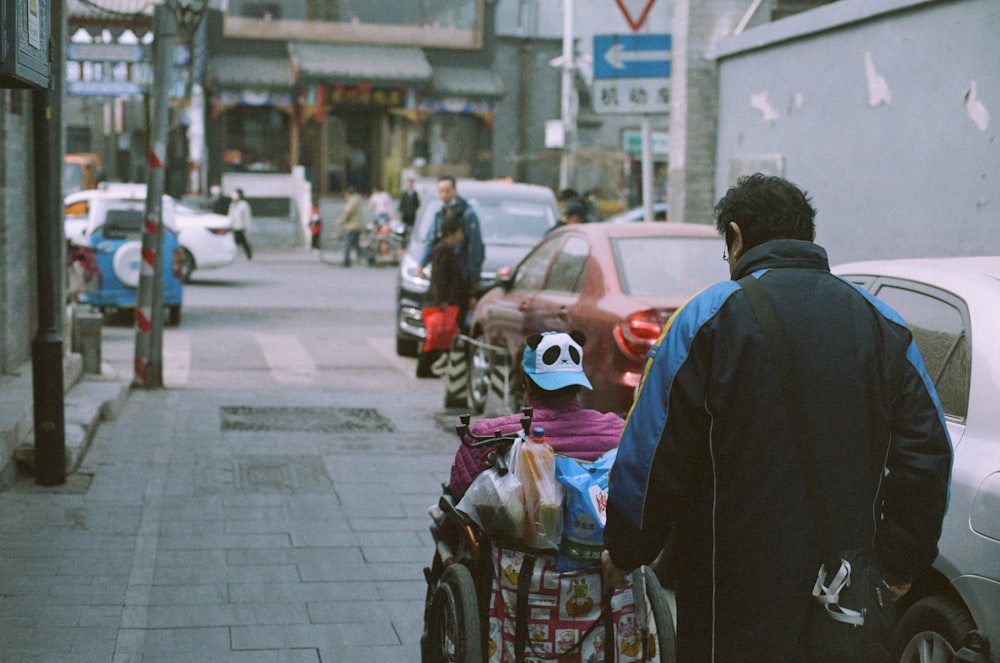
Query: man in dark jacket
(708,446)
(470,250)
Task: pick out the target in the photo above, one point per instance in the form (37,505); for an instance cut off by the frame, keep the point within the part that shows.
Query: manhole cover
(305,419)
(262,474)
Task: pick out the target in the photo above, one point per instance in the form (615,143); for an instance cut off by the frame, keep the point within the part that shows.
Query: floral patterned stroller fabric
(560,609)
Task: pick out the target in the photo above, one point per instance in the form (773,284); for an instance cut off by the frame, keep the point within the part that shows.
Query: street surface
(268,505)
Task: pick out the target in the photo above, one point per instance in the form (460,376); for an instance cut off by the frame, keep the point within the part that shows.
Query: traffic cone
(456,375)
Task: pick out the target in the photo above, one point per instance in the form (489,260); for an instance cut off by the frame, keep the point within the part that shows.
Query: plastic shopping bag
(496,502)
(585,515)
(442,327)
(535,467)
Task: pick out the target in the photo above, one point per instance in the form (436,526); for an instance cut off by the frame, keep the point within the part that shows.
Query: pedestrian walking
(351,221)
(573,212)
(315,227)
(409,203)
(470,251)
(448,286)
(708,447)
(242,218)
(219,204)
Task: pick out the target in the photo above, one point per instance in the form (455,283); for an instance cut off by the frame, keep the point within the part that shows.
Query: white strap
(829,595)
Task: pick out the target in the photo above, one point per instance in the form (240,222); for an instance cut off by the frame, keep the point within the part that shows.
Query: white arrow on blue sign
(631,56)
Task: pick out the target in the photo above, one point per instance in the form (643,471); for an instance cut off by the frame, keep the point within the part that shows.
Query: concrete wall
(531,98)
(18,313)
(886,111)
(698,25)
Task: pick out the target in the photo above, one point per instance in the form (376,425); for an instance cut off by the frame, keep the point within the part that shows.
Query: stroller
(480,609)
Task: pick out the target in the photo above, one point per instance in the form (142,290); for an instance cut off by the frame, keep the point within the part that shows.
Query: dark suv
(512,217)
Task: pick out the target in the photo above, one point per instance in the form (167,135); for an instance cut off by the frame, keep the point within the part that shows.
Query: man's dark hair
(452,222)
(448,178)
(239,192)
(765,207)
(567,194)
(575,207)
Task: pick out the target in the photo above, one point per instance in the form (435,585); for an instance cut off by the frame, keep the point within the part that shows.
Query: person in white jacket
(242,218)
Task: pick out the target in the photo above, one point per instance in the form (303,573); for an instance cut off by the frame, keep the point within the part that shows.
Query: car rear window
(514,223)
(123,222)
(668,266)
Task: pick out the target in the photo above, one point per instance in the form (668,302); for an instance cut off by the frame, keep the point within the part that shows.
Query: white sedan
(206,239)
(950,304)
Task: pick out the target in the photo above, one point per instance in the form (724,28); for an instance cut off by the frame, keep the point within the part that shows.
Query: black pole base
(50,422)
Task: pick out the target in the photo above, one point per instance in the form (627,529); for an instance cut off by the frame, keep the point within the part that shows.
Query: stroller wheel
(453,628)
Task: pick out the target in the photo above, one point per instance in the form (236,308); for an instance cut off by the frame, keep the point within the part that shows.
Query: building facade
(353,92)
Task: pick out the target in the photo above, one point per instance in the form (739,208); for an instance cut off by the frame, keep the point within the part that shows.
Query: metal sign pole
(149,305)
(647,169)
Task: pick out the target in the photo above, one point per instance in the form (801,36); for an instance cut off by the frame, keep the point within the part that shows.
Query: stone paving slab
(147,561)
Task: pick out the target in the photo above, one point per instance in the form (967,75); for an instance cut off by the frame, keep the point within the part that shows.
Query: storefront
(349,98)
(352,116)
(250,115)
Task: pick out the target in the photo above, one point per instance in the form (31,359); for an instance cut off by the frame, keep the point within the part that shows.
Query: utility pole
(149,307)
(567,167)
(47,347)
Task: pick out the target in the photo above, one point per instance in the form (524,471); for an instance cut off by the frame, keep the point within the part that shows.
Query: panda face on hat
(554,360)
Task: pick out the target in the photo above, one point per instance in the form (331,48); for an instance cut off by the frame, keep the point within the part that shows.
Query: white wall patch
(878,87)
(759,102)
(975,108)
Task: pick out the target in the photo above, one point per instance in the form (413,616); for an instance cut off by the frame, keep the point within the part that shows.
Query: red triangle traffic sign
(635,23)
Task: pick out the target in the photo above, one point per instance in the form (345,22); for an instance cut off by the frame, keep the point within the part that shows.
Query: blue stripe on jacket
(644,429)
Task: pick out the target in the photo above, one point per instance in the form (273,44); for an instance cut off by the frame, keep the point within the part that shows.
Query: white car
(206,239)
(950,305)
(638,214)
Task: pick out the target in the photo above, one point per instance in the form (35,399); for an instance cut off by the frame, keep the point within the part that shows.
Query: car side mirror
(505,277)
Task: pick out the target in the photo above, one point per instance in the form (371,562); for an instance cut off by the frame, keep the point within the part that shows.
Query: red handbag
(442,327)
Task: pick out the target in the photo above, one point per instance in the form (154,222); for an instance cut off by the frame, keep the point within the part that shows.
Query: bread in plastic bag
(496,502)
(535,467)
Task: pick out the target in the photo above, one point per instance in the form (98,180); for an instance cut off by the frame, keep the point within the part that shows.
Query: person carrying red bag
(448,288)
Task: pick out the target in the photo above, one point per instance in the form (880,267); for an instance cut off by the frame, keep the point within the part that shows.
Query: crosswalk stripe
(287,358)
(176,358)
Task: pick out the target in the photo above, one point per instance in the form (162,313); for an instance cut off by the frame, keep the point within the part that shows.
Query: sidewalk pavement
(247,525)
(89,398)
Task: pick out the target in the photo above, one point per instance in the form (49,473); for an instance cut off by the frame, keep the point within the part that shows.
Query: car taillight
(178,264)
(637,333)
(220,231)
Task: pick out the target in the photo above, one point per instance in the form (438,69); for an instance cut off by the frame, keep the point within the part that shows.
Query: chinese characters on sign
(632,73)
(632,96)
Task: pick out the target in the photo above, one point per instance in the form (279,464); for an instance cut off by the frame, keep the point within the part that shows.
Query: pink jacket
(571,430)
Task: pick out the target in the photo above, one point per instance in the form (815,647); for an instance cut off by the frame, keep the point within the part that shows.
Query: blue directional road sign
(631,73)
(631,56)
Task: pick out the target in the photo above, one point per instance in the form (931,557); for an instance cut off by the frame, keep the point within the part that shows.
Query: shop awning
(242,72)
(351,64)
(466,82)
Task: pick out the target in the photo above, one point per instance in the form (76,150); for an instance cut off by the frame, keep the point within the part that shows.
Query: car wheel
(174,315)
(126,263)
(187,265)
(480,366)
(933,630)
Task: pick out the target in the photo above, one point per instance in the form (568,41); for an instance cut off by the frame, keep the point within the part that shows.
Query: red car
(618,283)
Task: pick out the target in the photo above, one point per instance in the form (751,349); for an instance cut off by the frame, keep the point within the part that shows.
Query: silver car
(952,306)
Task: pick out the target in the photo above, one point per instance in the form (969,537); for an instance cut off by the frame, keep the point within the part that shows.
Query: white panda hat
(554,360)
